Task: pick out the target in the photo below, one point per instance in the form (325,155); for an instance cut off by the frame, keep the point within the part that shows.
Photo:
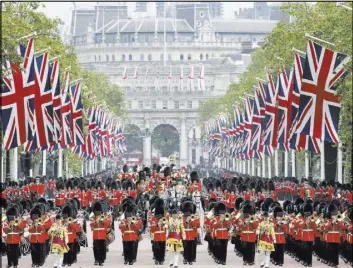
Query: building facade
(158,63)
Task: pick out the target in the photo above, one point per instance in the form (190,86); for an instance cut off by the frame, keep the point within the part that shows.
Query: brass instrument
(251,219)
(311,218)
(163,221)
(340,217)
(227,217)
(284,218)
(239,215)
(319,219)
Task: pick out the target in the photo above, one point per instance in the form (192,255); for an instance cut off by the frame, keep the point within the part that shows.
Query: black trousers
(129,247)
(221,249)
(278,255)
(306,252)
(188,248)
(159,251)
(12,254)
(99,250)
(37,253)
(238,245)
(248,251)
(194,250)
(70,257)
(333,253)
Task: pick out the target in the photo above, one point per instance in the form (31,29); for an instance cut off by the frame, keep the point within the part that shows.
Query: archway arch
(165,140)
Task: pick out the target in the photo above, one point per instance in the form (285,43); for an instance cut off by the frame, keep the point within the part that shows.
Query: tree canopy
(323,20)
(23,18)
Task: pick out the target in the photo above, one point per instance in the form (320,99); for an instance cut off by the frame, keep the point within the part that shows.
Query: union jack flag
(319,104)
(55,83)
(283,107)
(298,141)
(43,121)
(181,79)
(191,78)
(91,136)
(201,78)
(66,109)
(17,98)
(246,152)
(271,122)
(76,115)
(256,125)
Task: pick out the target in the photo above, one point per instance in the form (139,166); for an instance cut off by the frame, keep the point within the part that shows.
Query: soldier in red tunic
(100,226)
(221,226)
(158,230)
(130,229)
(279,226)
(11,230)
(190,222)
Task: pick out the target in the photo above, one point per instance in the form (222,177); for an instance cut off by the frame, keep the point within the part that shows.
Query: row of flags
(180,77)
(40,113)
(297,110)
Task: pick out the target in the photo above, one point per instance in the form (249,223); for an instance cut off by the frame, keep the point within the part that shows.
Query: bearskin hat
(68,184)
(252,185)
(114,185)
(330,210)
(130,210)
(248,209)
(298,201)
(159,202)
(35,213)
(238,202)
(220,208)
(152,200)
(159,210)
(285,204)
(97,208)
(147,171)
(218,183)
(307,209)
(68,211)
(187,208)
(270,185)
(267,203)
(258,204)
(167,171)
(173,210)
(194,176)
(290,208)
(76,203)
(277,212)
(12,212)
(125,169)
(142,175)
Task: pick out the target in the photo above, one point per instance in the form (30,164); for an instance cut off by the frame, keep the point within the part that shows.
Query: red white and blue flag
(76,115)
(319,104)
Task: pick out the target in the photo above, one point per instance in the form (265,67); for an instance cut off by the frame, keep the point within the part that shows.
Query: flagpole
(44,163)
(306,164)
(15,164)
(252,167)
(60,163)
(339,165)
(66,166)
(276,163)
(2,165)
(286,164)
(293,163)
(269,167)
(82,168)
(322,161)
(259,168)
(249,167)
(264,166)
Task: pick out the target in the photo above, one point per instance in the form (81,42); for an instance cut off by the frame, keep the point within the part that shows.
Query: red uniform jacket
(37,233)
(84,198)
(220,228)
(332,231)
(132,193)
(306,230)
(279,233)
(230,200)
(72,231)
(191,228)
(60,199)
(130,232)
(39,188)
(13,232)
(159,233)
(248,231)
(100,228)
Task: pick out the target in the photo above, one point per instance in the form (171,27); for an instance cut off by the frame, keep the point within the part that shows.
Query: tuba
(227,217)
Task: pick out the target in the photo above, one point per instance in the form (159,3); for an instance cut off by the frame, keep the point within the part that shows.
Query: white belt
(129,232)
(13,233)
(158,232)
(189,229)
(221,229)
(248,232)
(97,229)
(35,233)
(70,233)
(280,233)
(307,230)
(334,232)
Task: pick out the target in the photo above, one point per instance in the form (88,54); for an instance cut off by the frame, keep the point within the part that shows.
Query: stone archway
(194,145)
(133,138)
(165,139)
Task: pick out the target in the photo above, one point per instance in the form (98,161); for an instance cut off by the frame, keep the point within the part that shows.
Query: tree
(323,20)
(166,140)
(23,18)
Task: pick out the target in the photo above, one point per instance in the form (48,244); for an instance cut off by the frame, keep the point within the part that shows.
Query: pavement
(144,257)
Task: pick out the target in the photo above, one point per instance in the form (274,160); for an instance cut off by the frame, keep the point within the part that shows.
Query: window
(113,57)
(106,57)
(169,56)
(190,104)
(161,57)
(154,104)
(149,57)
(200,103)
(147,103)
(181,56)
(130,57)
(140,104)
(176,104)
(99,57)
(206,56)
(189,57)
(95,57)
(202,14)
(142,57)
(123,57)
(201,56)
(165,104)
(129,104)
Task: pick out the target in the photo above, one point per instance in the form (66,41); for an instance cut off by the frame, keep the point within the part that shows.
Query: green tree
(323,20)
(23,18)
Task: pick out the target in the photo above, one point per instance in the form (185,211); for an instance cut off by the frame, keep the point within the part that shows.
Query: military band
(178,211)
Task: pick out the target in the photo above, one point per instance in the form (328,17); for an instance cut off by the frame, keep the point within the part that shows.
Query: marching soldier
(158,231)
(221,226)
(12,232)
(175,236)
(59,240)
(280,223)
(37,237)
(130,229)
(99,225)
(190,223)
(247,229)
(267,239)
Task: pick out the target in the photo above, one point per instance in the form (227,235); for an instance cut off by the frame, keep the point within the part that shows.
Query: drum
(110,237)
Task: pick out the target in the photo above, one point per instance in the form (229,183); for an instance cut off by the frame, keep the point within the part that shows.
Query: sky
(64,9)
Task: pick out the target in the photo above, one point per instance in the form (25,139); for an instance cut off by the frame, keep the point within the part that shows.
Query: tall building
(262,11)
(161,74)
(216,10)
